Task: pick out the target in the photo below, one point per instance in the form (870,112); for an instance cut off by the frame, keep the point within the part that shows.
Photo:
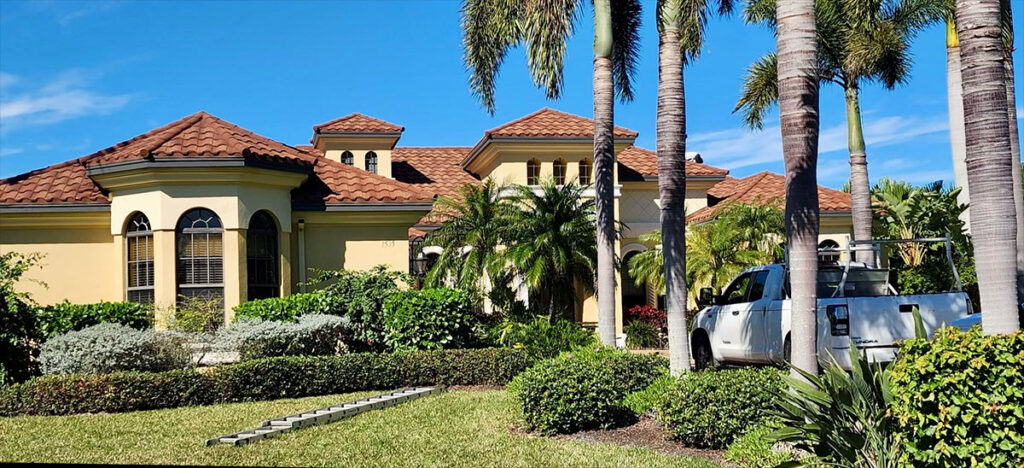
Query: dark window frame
(262,257)
(195,225)
(348,158)
(371,162)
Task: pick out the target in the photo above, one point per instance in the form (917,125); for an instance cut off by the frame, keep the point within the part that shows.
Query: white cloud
(735,148)
(10,151)
(65,97)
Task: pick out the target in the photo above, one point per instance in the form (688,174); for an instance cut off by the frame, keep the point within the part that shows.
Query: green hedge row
(59,319)
(287,308)
(263,379)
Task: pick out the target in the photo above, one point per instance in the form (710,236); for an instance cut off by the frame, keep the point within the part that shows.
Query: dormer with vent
(358,140)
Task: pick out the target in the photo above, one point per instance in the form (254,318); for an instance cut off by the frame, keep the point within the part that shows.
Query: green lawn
(462,428)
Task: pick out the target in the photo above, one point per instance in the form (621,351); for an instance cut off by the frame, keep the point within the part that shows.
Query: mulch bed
(647,433)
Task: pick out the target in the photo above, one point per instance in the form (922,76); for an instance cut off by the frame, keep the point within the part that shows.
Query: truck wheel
(787,350)
(702,357)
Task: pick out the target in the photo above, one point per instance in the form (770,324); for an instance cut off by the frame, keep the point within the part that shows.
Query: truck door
(757,317)
(729,331)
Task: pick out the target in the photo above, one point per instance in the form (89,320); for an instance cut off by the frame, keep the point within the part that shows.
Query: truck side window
(757,286)
(737,290)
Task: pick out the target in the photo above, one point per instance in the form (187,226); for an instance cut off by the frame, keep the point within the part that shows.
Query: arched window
(586,170)
(139,244)
(558,171)
(532,172)
(200,249)
(371,162)
(829,258)
(346,158)
(261,257)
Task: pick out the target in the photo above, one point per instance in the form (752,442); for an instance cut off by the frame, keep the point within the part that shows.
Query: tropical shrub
(644,401)
(310,335)
(958,399)
(361,295)
(197,315)
(111,347)
(757,448)
(429,319)
(19,329)
(261,379)
(542,338)
(641,335)
(288,308)
(649,314)
(583,389)
(66,317)
(712,408)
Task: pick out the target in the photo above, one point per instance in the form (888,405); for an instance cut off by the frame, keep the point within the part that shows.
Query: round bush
(641,335)
(583,389)
(311,335)
(711,408)
(111,347)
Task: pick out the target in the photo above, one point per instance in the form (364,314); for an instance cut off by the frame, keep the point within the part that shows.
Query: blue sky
(78,76)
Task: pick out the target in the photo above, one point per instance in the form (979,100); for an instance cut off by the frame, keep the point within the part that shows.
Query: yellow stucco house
(202,207)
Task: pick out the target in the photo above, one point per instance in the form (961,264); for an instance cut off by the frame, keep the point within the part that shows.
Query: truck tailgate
(883,320)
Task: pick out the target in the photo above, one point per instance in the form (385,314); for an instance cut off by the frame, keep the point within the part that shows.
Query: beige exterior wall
(334,146)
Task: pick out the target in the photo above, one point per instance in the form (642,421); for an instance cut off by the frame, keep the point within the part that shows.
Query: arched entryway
(632,294)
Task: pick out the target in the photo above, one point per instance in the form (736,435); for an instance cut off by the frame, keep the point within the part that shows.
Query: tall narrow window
(261,257)
(532,172)
(558,171)
(371,162)
(346,158)
(585,172)
(200,249)
(139,244)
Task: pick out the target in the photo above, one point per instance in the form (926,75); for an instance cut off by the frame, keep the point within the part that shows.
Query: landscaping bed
(459,428)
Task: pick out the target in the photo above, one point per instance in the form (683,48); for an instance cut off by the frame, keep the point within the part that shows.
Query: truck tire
(787,350)
(702,355)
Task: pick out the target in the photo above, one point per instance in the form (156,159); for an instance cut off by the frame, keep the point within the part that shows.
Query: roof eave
(111,168)
(487,139)
(364,206)
(54,208)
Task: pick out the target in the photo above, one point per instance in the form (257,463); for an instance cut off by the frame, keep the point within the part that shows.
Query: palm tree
(648,267)
(1011,114)
(989,165)
(680,39)
(492,27)
(550,244)
(955,105)
(716,255)
(473,226)
(797,66)
(859,41)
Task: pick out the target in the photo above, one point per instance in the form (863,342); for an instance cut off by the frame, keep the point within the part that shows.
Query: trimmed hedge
(958,399)
(65,317)
(264,379)
(288,308)
(712,408)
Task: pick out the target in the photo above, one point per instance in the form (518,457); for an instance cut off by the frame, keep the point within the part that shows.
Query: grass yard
(461,428)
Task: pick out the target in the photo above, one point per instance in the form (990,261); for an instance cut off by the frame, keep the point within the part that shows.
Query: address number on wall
(388,243)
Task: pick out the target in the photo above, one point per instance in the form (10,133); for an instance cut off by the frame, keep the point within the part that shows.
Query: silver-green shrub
(111,347)
(310,335)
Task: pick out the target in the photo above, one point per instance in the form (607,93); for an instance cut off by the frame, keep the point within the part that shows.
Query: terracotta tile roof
(763,187)
(635,163)
(438,169)
(199,136)
(357,123)
(60,184)
(548,122)
(335,183)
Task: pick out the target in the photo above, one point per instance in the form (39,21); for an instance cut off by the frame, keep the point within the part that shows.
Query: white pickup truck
(749,322)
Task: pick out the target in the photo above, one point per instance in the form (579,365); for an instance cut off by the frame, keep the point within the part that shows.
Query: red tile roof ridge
(316,128)
(555,111)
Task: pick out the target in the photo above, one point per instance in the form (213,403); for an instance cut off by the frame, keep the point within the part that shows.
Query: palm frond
(760,90)
(626,49)
(546,27)
(490,28)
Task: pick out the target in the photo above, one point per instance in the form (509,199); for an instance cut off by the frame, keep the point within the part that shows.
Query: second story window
(532,172)
(586,170)
(558,171)
(346,158)
(371,162)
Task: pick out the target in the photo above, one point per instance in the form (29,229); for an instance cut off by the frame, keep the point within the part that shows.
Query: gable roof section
(636,164)
(763,187)
(438,169)
(358,123)
(64,184)
(336,183)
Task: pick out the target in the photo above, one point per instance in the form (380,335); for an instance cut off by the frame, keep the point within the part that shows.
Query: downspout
(302,255)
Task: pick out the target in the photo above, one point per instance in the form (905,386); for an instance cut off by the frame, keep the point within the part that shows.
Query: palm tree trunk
(604,170)
(993,224)
(1018,189)
(955,103)
(860,186)
(798,115)
(671,137)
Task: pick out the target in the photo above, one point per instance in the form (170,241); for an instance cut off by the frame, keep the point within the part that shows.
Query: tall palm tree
(797,66)
(1011,114)
(550,244)
(858,41)
(492,27)
(955,106)
(989,171)
(473,226)
(680,38)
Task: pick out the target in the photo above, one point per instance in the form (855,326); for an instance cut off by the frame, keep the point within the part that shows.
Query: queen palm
(859,41)
(989,165)
(492,27)
(474,222)
(680,39)
(550,246)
